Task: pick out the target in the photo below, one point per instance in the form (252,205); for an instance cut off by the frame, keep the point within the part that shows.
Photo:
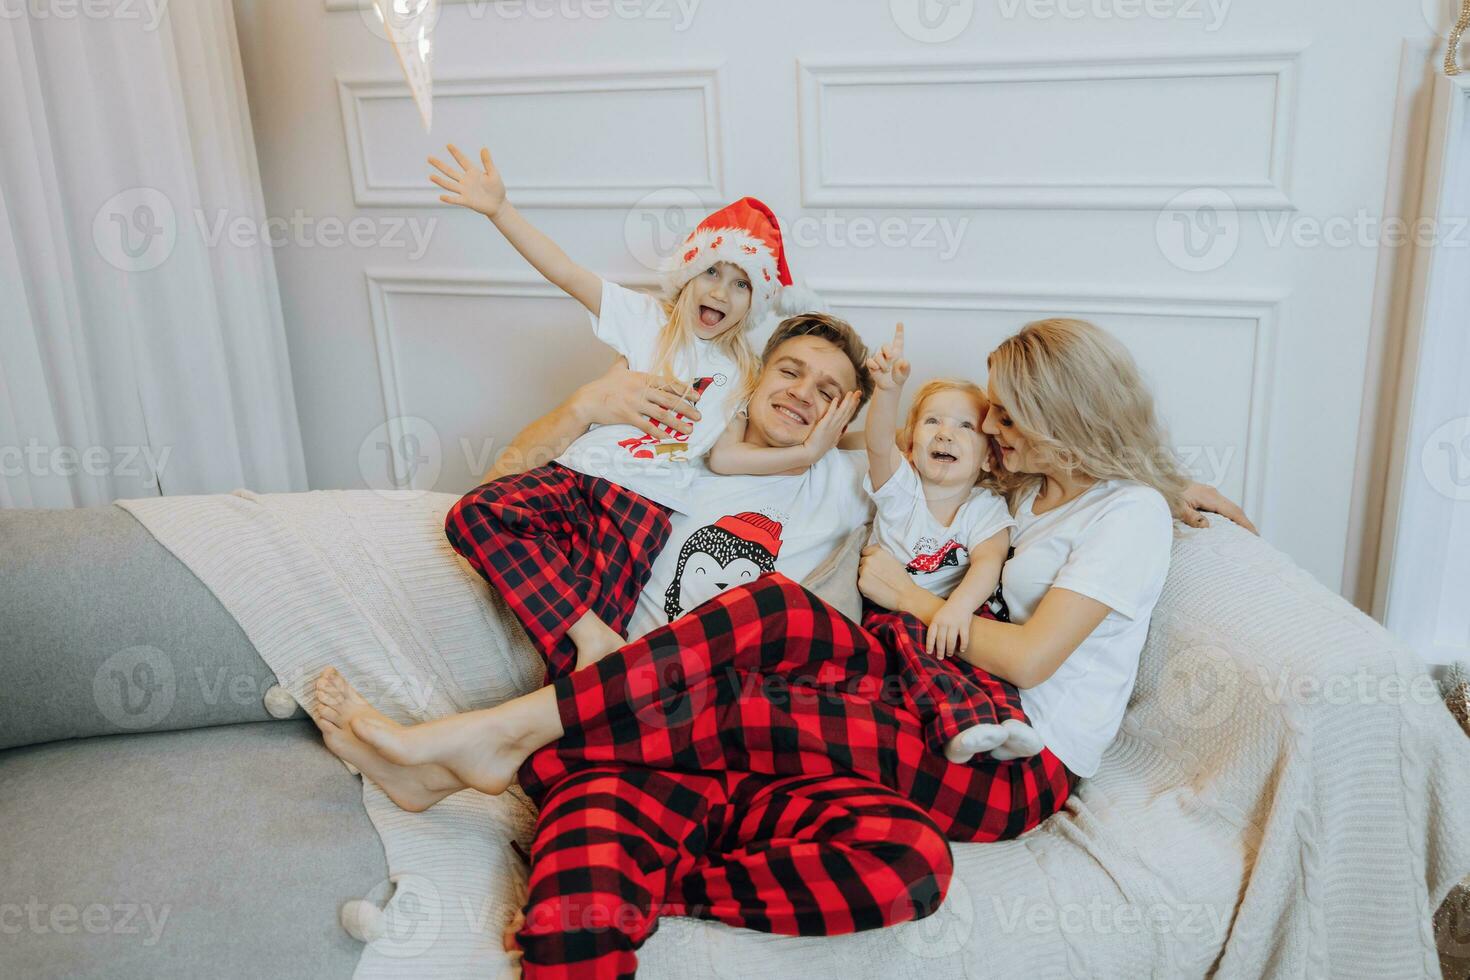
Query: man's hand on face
(636,398)
(829,428)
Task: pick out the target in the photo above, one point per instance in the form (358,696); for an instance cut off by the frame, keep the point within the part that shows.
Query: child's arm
(889,371)
(483,190)
(731,454)
(949,633)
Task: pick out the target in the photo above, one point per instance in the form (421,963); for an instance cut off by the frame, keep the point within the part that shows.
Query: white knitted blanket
(1287,797)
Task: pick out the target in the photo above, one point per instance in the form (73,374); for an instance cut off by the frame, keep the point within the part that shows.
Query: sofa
(1284,797)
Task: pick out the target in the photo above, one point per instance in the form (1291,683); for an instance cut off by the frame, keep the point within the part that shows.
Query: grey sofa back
(103,631)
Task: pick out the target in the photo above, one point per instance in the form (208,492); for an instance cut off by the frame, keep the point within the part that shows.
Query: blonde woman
(1094,492)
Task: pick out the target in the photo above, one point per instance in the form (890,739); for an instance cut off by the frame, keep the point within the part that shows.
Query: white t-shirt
(624,454)
(1111,544)
(739,527)
(935,555)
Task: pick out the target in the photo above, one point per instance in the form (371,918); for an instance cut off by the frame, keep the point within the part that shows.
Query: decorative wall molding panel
(1062,132)
(611,147)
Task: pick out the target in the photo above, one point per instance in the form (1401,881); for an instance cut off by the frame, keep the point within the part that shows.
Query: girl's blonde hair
(1077,394)
(676,340)
(916,408)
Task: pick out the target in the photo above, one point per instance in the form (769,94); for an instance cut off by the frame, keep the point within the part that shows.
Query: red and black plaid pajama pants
(947,696)
(767,678)
(557,544)
(619,846)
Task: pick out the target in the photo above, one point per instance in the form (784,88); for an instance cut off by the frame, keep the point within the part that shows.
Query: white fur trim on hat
(797,298)
(736,246)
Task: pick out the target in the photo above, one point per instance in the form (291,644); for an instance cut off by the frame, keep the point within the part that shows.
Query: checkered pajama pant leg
(947,696)
(555,544)
(767,678)
(618,846)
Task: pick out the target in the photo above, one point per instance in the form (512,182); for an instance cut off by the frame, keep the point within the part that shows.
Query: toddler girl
(952,531)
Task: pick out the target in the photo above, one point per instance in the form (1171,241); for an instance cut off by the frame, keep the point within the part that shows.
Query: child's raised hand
(828,430)
(949,632)
(888,367)
(477,187)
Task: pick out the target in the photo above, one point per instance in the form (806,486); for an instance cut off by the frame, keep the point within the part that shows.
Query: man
(617,845)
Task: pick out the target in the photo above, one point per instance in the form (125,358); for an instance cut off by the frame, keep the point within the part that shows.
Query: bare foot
(508,937)
(973,741)
(414,788)
(477,747)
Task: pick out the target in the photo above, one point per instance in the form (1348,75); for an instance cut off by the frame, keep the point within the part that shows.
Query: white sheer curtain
(139,353)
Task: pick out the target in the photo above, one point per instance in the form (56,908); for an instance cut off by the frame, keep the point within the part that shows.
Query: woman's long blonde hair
(676,341)
(1077,394)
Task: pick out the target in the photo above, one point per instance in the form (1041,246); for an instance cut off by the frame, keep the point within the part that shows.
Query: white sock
(1021,741)
(972,741)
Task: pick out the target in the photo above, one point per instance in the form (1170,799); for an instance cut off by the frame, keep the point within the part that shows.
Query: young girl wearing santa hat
(569,545)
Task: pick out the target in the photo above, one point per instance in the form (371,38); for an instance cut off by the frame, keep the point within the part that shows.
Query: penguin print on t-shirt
(930,555)
(735,549)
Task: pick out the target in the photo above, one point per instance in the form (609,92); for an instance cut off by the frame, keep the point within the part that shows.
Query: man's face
(798,383)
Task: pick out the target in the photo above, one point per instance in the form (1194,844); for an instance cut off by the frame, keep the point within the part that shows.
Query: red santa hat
(748,235)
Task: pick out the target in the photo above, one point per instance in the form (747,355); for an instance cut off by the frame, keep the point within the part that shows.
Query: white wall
(1029,165)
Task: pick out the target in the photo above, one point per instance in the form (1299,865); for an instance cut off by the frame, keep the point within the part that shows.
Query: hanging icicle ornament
(1451,54)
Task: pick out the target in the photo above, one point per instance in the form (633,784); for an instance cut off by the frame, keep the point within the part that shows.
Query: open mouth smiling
(941,456)
(791,414)
(709,316)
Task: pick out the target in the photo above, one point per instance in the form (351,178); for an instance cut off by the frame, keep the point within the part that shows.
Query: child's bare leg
(414,788)
(483,749)
(594,639)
